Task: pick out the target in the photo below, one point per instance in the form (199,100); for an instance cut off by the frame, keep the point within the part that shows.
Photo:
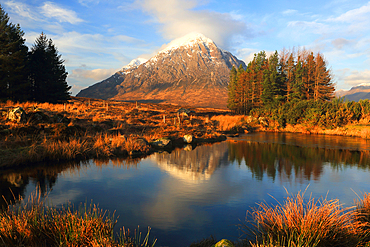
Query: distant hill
(361,91)
(191,70)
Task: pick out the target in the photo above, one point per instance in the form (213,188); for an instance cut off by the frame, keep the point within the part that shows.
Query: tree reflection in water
(268,155)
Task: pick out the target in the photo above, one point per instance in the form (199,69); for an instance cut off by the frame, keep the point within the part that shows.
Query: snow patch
(188,40)
(135,62)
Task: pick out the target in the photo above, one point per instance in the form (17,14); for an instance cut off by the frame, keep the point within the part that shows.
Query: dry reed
(35,224)
(299,222)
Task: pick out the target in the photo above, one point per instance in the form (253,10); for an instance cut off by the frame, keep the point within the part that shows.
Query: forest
(291,87)
(37,74)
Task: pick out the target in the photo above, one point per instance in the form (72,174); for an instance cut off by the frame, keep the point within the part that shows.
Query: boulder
(185,112)
(224,243)
(161,143)
(17,114)
(188,138)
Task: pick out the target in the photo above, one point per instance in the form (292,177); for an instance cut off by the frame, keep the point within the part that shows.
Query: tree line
(269,82)
(37,74)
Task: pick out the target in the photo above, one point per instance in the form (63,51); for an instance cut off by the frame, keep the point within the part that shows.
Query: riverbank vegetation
(33,223)
(295,222)
(312,222)
(294,92)
(86,128)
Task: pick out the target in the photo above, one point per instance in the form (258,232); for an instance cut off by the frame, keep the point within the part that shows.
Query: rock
(17,114)
(188,138)
(161,143)
(263,121)
(224,243)
(185,112)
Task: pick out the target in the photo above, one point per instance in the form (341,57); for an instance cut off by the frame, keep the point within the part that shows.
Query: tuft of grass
(300,222)
(35,224)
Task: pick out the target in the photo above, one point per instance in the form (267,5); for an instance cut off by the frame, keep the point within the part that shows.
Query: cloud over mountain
(178,18)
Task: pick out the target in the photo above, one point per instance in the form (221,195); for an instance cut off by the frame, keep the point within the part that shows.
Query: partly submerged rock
(17,114)
(188,138)
(224,243)
(161,143)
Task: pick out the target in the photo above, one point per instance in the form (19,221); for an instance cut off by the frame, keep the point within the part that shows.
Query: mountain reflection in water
(287,156)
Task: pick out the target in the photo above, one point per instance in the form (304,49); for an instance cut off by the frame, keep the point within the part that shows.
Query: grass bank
(33,223)
(86,128)
(311,222)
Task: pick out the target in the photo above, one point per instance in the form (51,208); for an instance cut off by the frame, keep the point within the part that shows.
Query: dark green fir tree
(47,72)
(14,84)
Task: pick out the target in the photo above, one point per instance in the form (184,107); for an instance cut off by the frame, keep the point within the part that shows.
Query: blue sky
(97,38)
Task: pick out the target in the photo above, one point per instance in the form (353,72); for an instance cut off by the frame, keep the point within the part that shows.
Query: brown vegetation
(87,128)
(33,223)
(321,222)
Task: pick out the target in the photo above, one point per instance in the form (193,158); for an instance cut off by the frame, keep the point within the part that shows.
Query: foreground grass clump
(298,222)
(34,224)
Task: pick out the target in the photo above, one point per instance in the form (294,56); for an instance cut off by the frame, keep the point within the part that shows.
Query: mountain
(356,93)
(190,70)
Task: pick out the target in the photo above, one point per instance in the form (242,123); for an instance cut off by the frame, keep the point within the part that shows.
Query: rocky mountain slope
(191,70)
(361,91)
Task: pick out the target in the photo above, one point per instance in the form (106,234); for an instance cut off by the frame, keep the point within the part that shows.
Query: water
(186,196)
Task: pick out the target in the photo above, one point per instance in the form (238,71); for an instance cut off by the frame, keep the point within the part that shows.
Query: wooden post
(174,121)
(164,118)
(103,103)
(107,107)
(65,106)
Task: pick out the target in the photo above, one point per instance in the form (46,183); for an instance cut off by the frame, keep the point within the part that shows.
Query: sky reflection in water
(189,195)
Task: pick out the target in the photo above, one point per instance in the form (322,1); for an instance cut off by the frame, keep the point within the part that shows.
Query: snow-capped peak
(187,40)
(135,62)
(363,85)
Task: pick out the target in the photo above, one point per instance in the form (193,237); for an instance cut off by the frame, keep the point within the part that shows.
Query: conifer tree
(47,72)
(270,81)
(13,57)
(231,102)
(323,87)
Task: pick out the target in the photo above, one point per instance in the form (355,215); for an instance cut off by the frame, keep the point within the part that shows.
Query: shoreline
(88,128)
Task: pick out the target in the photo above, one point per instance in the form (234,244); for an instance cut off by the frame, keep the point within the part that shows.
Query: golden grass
(299,222)
(35,224)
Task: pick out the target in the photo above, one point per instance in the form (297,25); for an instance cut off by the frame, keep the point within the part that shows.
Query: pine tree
(13,57)
(290,77)
(47,72)
(324,88)
(271,81)
(231,102)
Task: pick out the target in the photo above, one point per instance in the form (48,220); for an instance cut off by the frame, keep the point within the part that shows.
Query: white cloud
(21,9)
(339,43)
(52,10)
(96,74)
(354,15)
(313,26)
(358,77)
(178,18)
(88,3)
(289,12)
